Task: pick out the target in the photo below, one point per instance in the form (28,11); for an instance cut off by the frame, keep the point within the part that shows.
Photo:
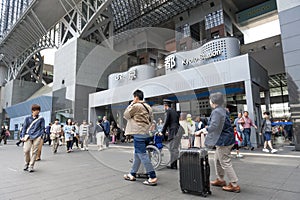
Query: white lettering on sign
(132,75)
(170,62)
(211,54)
(202,57)
(119,77)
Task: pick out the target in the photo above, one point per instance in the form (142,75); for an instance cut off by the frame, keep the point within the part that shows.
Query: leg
(26,149)
(218,168)
(35,144)
(225,163)
(39,151)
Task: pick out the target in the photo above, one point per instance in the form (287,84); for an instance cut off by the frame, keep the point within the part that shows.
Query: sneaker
(239,156)
(30,169)
(265,150)
(274,150)
(231,188)
(25,168)
(218,183)
(252,148)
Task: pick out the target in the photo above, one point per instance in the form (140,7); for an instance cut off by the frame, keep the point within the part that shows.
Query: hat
(167,102)
(188,116)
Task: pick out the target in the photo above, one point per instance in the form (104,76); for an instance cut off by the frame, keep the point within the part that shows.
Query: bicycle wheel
(165,156)
(154,155)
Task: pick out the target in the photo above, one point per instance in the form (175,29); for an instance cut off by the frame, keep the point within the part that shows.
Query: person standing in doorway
(32,131)
(106,126)
(247,123)
(174,132)
(139,117)
(84,135)
(266,130)
(100,136)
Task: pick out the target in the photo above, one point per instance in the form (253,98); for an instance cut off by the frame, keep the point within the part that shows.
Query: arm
(24,128)
(239,137)
(166,124)
(130,111)
(252,124)
(217,120)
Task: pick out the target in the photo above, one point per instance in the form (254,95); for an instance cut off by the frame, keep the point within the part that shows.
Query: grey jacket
(220,131)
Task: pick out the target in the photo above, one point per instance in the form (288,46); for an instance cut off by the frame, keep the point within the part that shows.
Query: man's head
(167,103)
(35,109)
(56,121)
(246,113)
(266,114)
(216,99)
(104,118)
(138,95)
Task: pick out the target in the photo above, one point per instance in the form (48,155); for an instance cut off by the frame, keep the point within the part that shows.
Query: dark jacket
(220,131)
(171,123)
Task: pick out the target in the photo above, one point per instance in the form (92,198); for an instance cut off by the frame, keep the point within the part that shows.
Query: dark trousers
(69,145)
(174,147)
(107,140)
(247,134)
(75,140)
(4,138)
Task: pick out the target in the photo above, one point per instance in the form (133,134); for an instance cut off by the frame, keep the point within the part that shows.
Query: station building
(185,57)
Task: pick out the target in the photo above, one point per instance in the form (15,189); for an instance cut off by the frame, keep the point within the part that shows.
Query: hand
(260,133)
(160,134)
(203,130)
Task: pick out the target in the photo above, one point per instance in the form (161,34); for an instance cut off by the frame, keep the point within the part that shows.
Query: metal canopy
(31,28)
(129,14)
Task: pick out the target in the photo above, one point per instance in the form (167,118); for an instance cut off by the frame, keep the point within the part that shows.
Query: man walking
(174,132)
(247,123)
(139,116)
(31,134)
(56,133)
(106,127)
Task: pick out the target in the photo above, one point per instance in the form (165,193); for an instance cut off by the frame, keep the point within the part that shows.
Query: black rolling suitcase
(194,171)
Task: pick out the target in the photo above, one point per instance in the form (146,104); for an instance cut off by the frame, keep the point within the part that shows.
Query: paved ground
(98,175)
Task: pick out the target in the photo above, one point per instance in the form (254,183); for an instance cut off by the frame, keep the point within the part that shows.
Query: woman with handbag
(266,130)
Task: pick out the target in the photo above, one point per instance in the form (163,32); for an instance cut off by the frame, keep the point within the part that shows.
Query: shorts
(235,146)
(267,136)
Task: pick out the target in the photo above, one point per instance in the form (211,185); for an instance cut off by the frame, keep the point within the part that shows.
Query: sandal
(149,183)
(129,177)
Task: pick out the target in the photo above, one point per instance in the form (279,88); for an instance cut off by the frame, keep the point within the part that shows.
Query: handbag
(52,136)
(185,143)
(7,133)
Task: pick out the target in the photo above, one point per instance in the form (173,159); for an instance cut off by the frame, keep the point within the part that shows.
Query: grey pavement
(98,175)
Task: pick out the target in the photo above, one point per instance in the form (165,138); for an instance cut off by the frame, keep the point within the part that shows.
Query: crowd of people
(179,130)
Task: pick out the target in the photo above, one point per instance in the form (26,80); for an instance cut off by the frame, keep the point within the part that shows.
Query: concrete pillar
(289,19)
(250,108)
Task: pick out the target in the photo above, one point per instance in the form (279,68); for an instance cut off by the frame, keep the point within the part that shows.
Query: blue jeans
(140,156)
(247,133)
